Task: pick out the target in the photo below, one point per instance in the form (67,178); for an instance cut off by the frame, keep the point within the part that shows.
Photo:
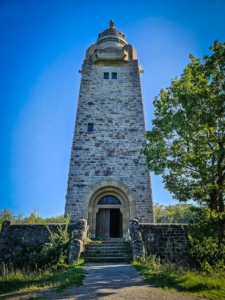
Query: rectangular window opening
(90,127)
(114,75)
(106,75)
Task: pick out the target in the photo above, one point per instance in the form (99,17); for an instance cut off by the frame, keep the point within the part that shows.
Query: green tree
(179,213)
(34,217)
(5,214)
(187,142)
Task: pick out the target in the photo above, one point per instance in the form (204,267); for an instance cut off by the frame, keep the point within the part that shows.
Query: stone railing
(166,241)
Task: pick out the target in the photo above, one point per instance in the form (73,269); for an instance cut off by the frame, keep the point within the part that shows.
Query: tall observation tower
(108,183)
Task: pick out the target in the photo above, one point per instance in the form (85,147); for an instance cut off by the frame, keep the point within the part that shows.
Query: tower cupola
(111,37)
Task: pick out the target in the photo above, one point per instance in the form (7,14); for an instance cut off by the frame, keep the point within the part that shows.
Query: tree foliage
(32,218)
(179,213)
(187,142)
(205,246)
(6,214)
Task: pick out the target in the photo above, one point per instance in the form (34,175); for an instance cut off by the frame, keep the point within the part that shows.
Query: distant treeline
(32,218)
(179,213)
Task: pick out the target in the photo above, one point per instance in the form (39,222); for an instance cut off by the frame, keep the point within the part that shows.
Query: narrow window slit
(90,127)
(106,75)
(114,75)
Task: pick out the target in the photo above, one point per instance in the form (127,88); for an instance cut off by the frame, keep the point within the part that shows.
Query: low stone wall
(166,241)
(12,235)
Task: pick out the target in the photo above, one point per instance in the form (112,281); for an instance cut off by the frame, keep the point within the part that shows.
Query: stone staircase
(111,250)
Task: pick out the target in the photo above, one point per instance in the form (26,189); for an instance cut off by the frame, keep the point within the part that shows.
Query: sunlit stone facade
(108,136)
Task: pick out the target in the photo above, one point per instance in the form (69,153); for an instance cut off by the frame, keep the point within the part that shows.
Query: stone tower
(108,184)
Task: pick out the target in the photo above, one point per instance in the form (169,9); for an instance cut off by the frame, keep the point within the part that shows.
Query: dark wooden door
(103,223)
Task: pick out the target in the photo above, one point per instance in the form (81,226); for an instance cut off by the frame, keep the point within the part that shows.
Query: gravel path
(107,281)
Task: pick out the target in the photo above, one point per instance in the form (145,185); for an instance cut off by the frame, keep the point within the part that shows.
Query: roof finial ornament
(111,24)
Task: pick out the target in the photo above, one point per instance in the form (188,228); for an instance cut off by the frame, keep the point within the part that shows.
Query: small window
(106,75)
(90,127)
(114,75)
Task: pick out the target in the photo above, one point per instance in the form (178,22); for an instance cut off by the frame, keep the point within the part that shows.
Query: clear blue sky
(42,47)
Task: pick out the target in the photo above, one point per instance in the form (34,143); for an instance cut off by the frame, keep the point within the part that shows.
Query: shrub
(53,254)
(207,249)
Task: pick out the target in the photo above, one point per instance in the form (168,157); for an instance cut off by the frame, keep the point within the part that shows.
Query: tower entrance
(109,223)
(108,207)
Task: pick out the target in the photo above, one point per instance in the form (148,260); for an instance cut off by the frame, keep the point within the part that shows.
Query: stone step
(107,255)
(91,247)
(107,251)
(103,256)
(114,250)
(109,242)
(108,259)
(107,248)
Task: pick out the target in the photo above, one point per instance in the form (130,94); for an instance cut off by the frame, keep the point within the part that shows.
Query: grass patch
(177,279)
(21,280)
(88,240)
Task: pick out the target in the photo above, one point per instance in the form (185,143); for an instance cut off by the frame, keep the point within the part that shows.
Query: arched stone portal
(114,188)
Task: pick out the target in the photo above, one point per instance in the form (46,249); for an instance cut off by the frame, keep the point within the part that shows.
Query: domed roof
(111,34)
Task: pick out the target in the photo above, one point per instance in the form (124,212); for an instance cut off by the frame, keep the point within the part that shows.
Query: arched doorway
(124,211)
(109,221)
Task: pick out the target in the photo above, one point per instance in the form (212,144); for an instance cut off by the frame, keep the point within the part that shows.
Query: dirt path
(107,281)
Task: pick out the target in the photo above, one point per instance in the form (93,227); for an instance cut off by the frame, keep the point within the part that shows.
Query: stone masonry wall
(12,235)
(166,241)
(112,151)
